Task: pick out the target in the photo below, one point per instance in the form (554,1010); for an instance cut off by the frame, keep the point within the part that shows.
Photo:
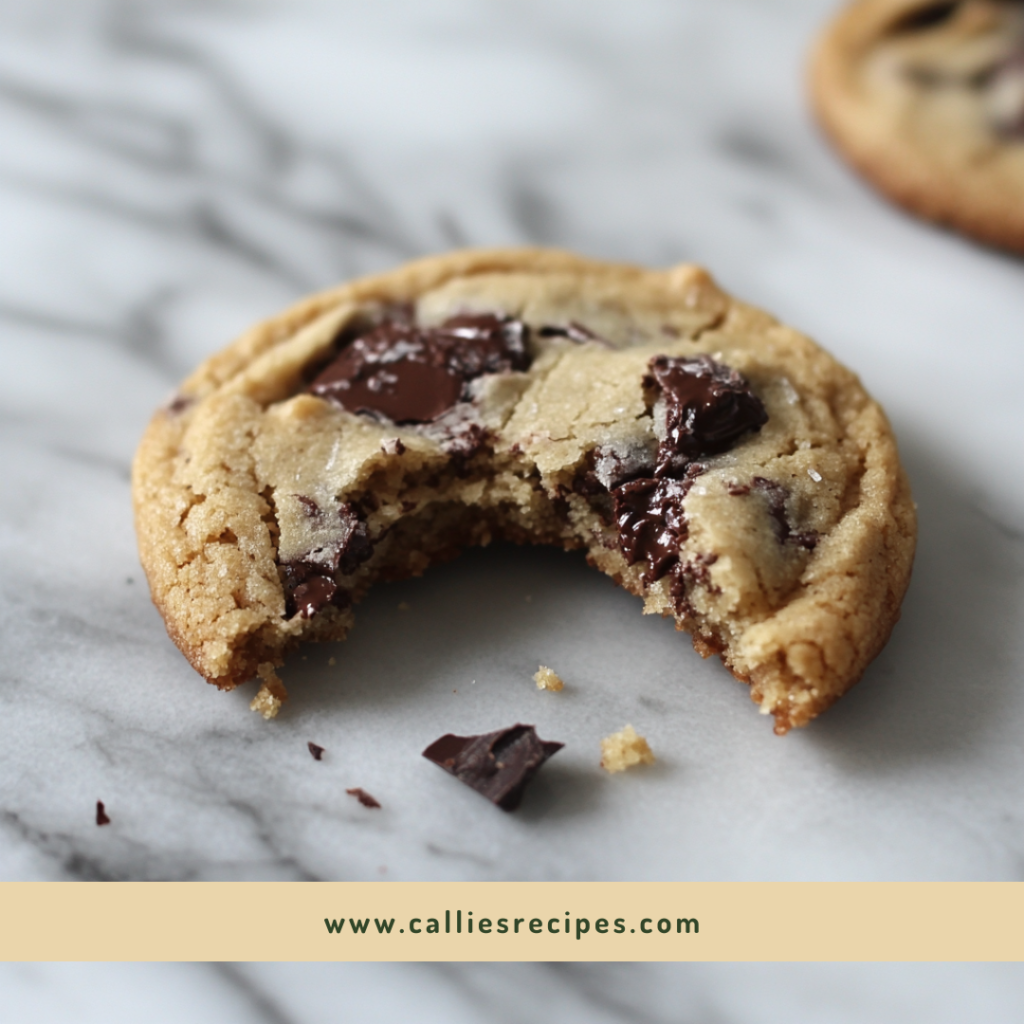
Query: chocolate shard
(412,374)
(362,796)
(101,814)
(316,750)
(497,764)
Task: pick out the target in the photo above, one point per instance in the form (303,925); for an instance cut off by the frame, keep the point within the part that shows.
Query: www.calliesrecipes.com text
(463,923)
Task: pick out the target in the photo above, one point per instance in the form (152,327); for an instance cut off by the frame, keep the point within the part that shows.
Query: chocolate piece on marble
(362,796)
(101,814)
(316,750)
(496,764)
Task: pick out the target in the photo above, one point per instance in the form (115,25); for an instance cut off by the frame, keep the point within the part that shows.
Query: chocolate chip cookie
(718,465)
(926,99)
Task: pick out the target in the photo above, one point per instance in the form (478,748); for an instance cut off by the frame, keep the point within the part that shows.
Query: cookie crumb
(316,750)
(332,661)
(546,679)
(404,606)
(623,750)
(362,796)
(272,693)
(101,814)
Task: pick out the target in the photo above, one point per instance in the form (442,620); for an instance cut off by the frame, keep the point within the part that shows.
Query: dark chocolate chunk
(316,750)
(313,595)
(497,764)
(309,583)
(414,374)
(357,547)
(708,407)
(776,495)
(926,17)
(363,797)
(652,522)
(458,432)
(101,814)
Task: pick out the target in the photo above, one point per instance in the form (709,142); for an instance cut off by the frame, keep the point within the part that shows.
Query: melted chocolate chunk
(309,582)
(101,814)
(497,764)
(776,495)
(313,595)
(362,796)
(652,523)
(414,374)
(316,750)
(707,408)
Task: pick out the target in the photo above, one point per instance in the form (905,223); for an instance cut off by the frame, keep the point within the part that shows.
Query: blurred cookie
(926,99)
(715,463)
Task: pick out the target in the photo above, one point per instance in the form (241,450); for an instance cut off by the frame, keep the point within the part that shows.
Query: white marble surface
(171,172)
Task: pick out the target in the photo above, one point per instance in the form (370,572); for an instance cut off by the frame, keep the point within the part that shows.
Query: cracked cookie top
(717,464)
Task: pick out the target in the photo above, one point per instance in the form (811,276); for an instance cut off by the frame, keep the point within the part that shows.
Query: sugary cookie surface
(715,463)
(926,98)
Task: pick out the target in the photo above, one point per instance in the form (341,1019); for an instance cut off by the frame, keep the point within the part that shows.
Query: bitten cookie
(718,465)
(926,99)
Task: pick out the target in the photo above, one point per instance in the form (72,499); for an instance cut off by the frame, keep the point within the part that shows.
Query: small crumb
(332,661)
(455,691)
(528,598)
(272,693)
(101,814)
(305,657)
(362,796)
(546,679)
(404,606)
(316,750)
(814,475)
(623,750)
(129,580)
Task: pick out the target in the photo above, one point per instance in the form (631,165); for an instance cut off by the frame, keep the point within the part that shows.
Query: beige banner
(751,921)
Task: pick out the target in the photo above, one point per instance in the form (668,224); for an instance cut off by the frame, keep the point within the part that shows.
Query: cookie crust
(909,101)
(798,625)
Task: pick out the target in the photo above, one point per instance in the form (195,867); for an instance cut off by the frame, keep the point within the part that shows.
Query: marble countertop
(172,172)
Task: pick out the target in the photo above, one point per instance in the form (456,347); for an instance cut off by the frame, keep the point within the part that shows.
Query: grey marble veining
(173,171)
